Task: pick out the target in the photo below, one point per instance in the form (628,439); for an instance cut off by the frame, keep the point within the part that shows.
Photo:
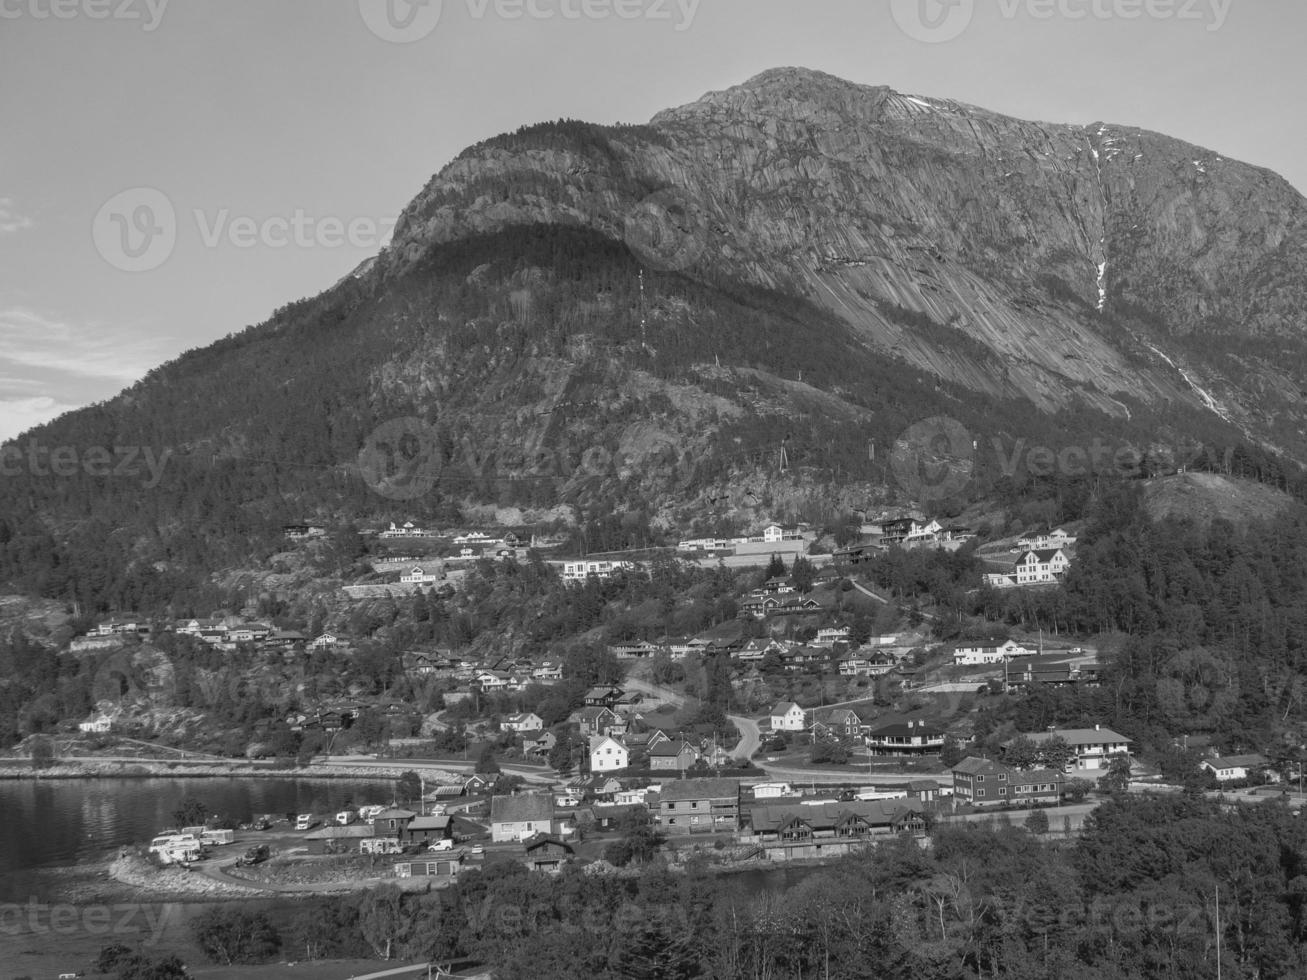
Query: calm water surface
(50,823)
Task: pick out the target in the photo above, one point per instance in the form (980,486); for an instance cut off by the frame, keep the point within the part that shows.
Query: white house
(830,636)
(420,576)
(324,642)
(1229,768)
(409,530)
(1094,747)
(477,539)
(607,754)
(977,654)
(96,726)
(529,722)
(1040,567)
(1044,542)
(788,717)
(579,571)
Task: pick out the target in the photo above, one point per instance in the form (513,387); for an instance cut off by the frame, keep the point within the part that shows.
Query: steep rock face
(1101,266)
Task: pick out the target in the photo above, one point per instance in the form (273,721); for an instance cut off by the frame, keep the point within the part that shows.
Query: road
(750,736)
(532,774)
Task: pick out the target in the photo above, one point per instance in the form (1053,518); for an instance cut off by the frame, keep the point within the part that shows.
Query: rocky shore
(156,769)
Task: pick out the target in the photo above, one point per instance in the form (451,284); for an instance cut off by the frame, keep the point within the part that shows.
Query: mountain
(728,313)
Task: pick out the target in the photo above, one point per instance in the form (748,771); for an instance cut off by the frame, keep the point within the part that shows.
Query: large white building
(607,754)
(579,571)
(974,655)
(1094,747)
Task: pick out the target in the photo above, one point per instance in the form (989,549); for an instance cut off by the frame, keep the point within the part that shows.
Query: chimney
(1098,728)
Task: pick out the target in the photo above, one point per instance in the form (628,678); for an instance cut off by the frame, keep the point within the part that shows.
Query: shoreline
(175,770)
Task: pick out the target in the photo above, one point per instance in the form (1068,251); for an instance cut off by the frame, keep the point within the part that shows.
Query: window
(1002,791)
(1002,776)
(980,779)
(694,805)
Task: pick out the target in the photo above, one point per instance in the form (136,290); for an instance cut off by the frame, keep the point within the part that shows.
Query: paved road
(750,736)
(650,689)
(532,774)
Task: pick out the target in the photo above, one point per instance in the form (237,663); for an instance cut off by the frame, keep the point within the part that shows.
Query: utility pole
(1218,931)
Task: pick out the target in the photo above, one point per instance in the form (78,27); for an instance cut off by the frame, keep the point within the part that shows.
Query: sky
(172,171)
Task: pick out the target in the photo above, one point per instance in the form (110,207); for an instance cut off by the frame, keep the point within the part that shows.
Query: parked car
(255,855)
(442,845)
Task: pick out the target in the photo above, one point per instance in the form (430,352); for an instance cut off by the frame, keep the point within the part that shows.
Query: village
(862,736)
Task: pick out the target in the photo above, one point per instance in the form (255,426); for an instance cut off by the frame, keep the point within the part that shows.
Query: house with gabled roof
(787,716)
(687,806)
(514,818)
(837,723)
(607,754)
(789,831)
(1231,768)
(597,721)
(1094,747)
(984,782)
(527,722)
(673,755)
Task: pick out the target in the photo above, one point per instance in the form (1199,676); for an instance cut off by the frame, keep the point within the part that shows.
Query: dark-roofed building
(790,831)
(428,830)
(673,756)
(914,738)
(392,822)
(547,854)
(984,782)
(689,806)
(514,818)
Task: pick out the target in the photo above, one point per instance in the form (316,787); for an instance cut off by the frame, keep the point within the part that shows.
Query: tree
(775,567)
(228,936)
(803,574)
(42,752)
(952,752)
(408,786)
(190,812)
(1021,753)
(1117,778)
(1037,822)
(1057,753)
(486,759)
(1076,790)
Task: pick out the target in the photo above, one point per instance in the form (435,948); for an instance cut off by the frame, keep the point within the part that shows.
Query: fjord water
(59,822)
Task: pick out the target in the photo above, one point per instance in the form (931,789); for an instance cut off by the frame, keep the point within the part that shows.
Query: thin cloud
(17,415)
(10,220)
(31,341)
